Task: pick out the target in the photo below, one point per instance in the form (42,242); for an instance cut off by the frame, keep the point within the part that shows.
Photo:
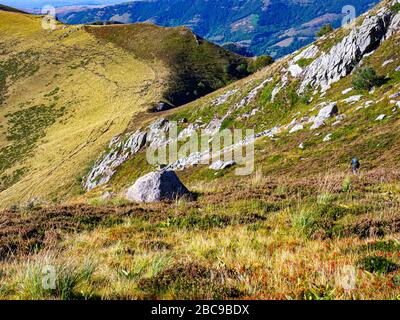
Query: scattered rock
(250,114)
(397,69)
(328,137)
(342,58)
(347,91)
(252,94)
(325,113)
(387,62)
(157,186)
(308,53)
(221,165)
(394,96)
(119,151)
(106,195)
(223,98)
(380,117)
(301,146)
(368,103)
(295,70)
(296,128)
(372,91)
(340,117)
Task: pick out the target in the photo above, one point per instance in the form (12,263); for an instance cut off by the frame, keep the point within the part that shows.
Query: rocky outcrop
(343,57)
(119,150)
(325,113)
(157,186)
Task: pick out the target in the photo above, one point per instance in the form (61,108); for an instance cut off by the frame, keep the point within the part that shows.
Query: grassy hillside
(65,93)
(296,228)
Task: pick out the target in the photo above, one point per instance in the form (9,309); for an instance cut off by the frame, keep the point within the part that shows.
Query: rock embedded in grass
(157,186)
(348,90)
(296,128)
(395,95)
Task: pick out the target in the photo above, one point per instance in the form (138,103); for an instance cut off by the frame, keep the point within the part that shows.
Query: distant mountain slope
(274,27)
(65,93)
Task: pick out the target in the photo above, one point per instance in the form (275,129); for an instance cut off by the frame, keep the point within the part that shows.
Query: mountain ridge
(271,27)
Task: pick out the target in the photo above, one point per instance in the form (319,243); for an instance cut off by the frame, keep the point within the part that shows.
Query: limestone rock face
(120,151)
(340,61)
(157,186)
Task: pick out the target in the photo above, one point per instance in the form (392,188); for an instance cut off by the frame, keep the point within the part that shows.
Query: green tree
(259,62)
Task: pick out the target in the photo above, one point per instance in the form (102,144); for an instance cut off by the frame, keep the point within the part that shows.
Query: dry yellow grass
(100,86)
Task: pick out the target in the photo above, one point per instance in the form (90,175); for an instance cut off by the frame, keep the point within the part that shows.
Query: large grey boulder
(119,150)
(157,186)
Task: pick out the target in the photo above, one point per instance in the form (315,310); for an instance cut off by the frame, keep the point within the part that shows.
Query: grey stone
(387,62)
(395,95)
(119,151)
(353,99)
(296,128)
(328,137)
(308,53)
(295,70)
(157,186)
(340,61)
(347,91)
